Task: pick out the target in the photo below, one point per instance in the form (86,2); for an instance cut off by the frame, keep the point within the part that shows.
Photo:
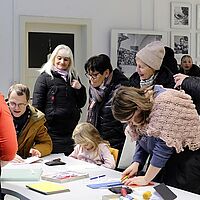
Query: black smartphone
(55,162)
(165,192)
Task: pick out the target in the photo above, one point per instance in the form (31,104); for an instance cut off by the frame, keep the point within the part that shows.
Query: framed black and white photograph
(126,43)
(180,43)
(180,15)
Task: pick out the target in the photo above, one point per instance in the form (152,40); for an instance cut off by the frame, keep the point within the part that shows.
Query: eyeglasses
(93,76)
(20,105)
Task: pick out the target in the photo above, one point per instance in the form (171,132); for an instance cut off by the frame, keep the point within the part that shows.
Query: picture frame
(198,16)
(181,44)
(181,15)
(126,43)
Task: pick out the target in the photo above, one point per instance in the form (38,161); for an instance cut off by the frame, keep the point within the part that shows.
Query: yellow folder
(46,187)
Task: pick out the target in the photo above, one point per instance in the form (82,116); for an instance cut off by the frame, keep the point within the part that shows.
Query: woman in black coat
(103,82)
(59,94)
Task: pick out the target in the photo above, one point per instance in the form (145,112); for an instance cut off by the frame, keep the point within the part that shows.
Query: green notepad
(47,187)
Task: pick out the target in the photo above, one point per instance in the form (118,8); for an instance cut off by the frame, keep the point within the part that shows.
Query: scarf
(148,82)
(97,96)
(21,121)
(63,73)
(173,119)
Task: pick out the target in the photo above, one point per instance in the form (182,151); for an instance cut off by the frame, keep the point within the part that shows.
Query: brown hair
(20,89)
(127,99)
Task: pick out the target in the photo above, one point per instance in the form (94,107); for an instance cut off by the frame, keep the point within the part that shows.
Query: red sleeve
(8,140)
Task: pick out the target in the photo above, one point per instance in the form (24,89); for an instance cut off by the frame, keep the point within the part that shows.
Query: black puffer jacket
(110,128)
(191,85)
(194,71)
(60,102)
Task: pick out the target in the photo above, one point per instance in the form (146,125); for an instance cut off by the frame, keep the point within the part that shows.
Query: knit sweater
(175,120)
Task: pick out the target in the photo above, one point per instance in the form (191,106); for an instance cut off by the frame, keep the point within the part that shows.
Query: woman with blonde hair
(165,124)
(90,147)
(49,65)
(59,94)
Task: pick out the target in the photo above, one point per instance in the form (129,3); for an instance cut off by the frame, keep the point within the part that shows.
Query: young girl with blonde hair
(90,147)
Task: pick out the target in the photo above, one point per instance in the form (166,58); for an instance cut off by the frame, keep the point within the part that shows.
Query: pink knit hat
(152,54)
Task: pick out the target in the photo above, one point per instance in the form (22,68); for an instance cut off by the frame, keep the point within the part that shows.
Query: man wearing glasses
(103,82)
(32,136)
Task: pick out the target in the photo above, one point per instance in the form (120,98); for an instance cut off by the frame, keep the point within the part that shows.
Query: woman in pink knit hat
(155,65)
(166,126)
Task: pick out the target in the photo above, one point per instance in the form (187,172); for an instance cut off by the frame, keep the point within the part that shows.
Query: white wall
(105,15)
(6,44)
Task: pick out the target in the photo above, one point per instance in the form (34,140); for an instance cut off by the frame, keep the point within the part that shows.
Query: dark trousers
(182,171)
(62,144)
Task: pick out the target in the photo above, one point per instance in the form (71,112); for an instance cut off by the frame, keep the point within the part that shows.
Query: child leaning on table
(90,147)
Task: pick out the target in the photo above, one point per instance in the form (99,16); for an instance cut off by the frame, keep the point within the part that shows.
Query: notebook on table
(64,176)
(47,187)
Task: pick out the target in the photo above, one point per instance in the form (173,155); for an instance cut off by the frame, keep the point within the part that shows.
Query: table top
(78,188)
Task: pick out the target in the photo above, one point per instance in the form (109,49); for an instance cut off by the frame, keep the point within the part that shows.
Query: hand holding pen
(131,171)
(124,178)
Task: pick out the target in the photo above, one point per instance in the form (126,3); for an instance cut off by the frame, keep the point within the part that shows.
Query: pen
(95,177)
(124,178)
